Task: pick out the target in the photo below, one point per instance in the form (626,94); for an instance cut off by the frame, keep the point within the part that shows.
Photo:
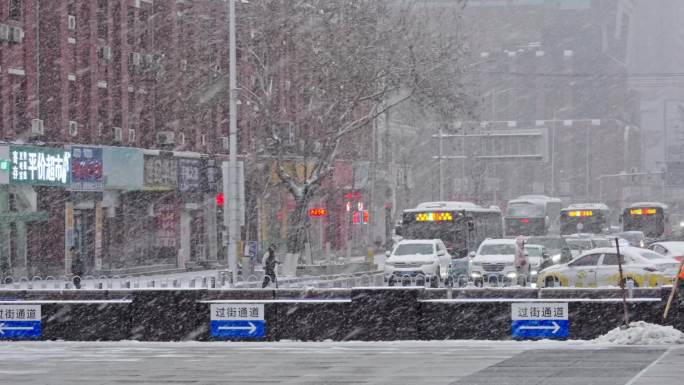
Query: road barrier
(316,314)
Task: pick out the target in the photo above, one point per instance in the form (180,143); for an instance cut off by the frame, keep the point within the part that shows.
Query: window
(414,248)
(102,21)
(612,260)
(15,10)
(587,260)
(494,249)
(659,249)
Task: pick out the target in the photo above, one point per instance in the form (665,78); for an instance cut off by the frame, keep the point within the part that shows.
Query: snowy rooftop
(647,204)
(587,206)
(453,206)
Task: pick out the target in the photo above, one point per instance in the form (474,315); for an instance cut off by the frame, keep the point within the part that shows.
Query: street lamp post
(230,183)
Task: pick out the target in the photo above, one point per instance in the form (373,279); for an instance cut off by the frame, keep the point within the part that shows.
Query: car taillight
(678,258)
(525,220)
(650,269)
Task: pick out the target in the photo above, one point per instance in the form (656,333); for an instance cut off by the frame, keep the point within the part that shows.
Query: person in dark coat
(77,267)
(270,263)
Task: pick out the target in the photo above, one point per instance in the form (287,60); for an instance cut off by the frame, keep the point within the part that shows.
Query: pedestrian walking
(522,266)
(270,263)
(77,267)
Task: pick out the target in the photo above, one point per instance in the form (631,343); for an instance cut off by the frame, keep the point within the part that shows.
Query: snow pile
(643,333)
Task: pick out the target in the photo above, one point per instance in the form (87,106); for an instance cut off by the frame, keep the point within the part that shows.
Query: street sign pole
(622,283)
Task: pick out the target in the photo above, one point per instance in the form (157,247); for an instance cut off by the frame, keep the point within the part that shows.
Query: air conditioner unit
(37,127)
(131,135)
(73,128)
(136,58)
(105,53)
(4,32)
(71,22)
(118,134)
(16,35)
(181,138)
(166,137)
(225,143)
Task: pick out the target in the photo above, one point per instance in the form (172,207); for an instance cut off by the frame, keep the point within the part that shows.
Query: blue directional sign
(20,322)
(537,320)
(237,321)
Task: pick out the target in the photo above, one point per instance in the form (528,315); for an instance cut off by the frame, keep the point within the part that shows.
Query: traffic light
(219,199)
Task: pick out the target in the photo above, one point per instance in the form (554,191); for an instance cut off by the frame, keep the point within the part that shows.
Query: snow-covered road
(424,363)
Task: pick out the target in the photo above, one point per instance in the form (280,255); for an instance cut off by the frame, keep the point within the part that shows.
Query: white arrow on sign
(252,328)
(555,327)
(8,328)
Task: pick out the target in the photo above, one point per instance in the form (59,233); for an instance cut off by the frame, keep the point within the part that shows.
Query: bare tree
(319,71)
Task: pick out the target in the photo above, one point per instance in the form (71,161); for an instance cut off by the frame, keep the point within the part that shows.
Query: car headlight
(512,275)
(533,272)
(389,264)
(556,258)
(475,274)
(476,263)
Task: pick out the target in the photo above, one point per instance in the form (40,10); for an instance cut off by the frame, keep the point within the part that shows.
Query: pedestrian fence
(218,280)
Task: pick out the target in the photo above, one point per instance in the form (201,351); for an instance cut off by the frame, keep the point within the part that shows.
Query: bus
(591,218)
(648,217)
(462,226)
(532,215)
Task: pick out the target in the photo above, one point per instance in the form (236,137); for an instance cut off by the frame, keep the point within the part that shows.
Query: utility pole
(230,183)
(441,167)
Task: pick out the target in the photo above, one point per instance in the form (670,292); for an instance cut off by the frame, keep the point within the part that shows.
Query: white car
(535,256)
(669,266)
(494,263)
(599,267)
(674,250)
(412,259)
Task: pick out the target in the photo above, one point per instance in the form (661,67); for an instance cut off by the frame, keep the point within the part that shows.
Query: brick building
(140,89)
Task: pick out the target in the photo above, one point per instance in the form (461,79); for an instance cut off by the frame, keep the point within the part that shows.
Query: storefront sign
(161,172)
(189,175)
(40,166)
(166,225)
(86,169)
(123,168)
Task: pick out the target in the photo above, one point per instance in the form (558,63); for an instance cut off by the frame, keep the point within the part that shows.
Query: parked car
(599,267)
(425,259)
(494,261)
(673,249)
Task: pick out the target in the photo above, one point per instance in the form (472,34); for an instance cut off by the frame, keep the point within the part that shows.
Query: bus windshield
(525,210)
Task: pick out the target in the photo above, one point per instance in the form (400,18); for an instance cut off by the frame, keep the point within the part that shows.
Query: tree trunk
(298,225)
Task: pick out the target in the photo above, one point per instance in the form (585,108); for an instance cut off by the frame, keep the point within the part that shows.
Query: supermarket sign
(40,166)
